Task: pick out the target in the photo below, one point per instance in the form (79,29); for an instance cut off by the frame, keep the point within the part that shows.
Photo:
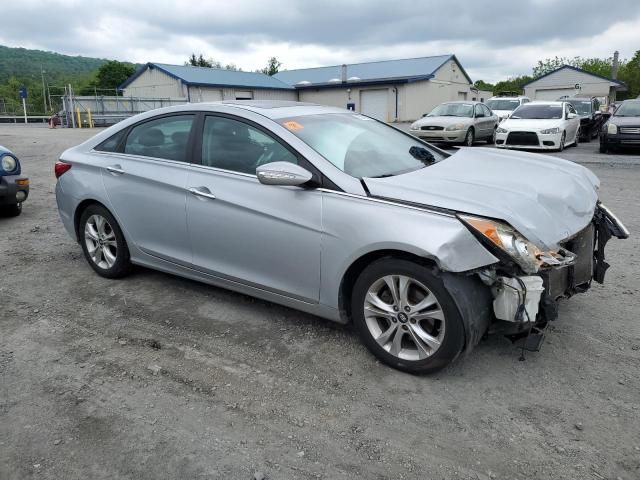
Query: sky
(493,40)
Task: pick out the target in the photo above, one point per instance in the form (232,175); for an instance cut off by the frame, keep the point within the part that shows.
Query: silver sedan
(340,215)
(457,122)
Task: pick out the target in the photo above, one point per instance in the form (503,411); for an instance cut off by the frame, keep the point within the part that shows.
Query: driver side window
(479,111)
(236,146)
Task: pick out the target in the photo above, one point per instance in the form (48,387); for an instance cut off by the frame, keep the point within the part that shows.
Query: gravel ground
(155,377)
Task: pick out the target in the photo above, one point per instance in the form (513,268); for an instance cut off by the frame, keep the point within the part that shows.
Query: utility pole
(44,90)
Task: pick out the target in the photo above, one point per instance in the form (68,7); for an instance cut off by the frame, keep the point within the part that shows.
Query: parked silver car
(340,215)
(457,122)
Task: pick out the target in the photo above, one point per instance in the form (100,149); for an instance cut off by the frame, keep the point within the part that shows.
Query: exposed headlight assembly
(414,127)
(612,129)
(8,163)
(455,126)
(501,130)
(548,131)
(529,257)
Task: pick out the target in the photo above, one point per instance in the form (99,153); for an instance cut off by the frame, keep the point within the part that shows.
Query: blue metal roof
(215,77)
(389,71)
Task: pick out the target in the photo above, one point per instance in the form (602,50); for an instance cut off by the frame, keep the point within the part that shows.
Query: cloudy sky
(493,40)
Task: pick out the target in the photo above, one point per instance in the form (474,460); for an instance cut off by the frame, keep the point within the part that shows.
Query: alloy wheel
(404,317)
(468,140)
(101,242)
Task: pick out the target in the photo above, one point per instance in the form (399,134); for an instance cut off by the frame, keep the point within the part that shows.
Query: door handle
(202,192)
(115,169)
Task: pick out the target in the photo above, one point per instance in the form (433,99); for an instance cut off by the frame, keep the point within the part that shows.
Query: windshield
(503,104)
(361,146)
(583,107)
(628,109)
(452,110)
(538,112)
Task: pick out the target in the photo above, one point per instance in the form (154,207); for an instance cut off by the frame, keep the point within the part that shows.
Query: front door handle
(202,192)
(115,169)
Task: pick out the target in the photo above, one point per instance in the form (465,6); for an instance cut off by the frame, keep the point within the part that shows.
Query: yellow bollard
(90,118)
(79,118)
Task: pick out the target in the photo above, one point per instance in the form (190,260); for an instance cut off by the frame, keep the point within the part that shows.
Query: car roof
(280,108)
(507,97)
(461,101)
(550,102)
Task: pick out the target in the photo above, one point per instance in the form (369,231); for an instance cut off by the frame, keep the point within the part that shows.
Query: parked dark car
(14,188)
(623,127)
(591,118)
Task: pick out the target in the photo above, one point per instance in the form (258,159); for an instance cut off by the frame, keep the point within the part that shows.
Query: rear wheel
(103,243)
(406,317)
(492,139)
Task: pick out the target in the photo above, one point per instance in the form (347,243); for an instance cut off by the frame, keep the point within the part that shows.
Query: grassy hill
(25,64)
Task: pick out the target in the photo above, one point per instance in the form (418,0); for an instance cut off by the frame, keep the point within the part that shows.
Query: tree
(273,67)
(482,85)
(113,73)
(512,84)
(629,73)
(200,61)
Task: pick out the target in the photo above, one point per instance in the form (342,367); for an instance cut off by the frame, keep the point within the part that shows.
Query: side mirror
(571,115)
(282,173)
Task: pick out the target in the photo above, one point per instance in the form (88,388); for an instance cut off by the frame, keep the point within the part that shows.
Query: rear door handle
(202,192)
(115,169)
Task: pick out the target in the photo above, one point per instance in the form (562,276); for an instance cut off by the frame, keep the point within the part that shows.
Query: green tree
(512,84)
(273,67)
(113,73)
(482,85)
(629,73)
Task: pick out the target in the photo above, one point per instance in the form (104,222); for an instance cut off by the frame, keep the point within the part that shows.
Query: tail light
(61,167)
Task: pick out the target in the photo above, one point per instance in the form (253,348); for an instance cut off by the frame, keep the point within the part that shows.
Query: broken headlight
(505,237)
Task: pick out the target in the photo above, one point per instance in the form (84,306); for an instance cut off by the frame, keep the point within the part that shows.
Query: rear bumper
(11,191)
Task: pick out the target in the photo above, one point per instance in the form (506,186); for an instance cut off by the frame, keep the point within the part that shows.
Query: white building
(571,81)
(393,90)
(202,84)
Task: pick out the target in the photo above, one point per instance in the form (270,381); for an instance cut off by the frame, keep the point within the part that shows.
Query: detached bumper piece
(588,247)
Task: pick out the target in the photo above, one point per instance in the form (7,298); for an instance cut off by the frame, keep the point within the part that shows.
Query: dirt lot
(244,386)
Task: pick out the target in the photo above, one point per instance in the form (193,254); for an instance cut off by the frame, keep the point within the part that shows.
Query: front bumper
(620,139)
(14,189)
(440,136)
(544,141)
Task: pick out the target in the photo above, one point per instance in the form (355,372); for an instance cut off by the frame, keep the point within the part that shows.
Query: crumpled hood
(545,198)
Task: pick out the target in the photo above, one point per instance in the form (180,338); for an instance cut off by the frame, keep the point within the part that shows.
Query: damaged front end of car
(528,282)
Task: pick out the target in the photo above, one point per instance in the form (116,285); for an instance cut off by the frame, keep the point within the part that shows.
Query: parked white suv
(503,105)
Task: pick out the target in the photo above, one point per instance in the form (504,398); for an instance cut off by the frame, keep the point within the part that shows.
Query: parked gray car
(457,122)
(340,215)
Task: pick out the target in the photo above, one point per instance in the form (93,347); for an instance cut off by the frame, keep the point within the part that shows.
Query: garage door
(554,93)
(374,103)
(210,95)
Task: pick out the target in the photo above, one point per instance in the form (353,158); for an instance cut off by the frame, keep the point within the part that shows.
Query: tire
(492,139)
(391,332)
(103,243)
(562,140)
(469,138)
(603,147)
(11,210)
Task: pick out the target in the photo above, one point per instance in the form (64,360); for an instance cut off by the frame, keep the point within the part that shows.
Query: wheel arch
(82,206)
(354,270)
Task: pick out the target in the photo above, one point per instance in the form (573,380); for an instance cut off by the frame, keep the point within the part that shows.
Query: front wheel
(103,243)
(603,147)
(11,210)
(468,139)
(406,317)
(562,140)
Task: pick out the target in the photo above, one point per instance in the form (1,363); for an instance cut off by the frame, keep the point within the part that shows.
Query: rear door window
(165,137)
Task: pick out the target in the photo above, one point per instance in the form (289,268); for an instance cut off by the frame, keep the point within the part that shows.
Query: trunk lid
(545,198)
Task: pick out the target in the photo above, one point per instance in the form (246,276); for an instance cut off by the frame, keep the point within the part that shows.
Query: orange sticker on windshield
(293,125)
